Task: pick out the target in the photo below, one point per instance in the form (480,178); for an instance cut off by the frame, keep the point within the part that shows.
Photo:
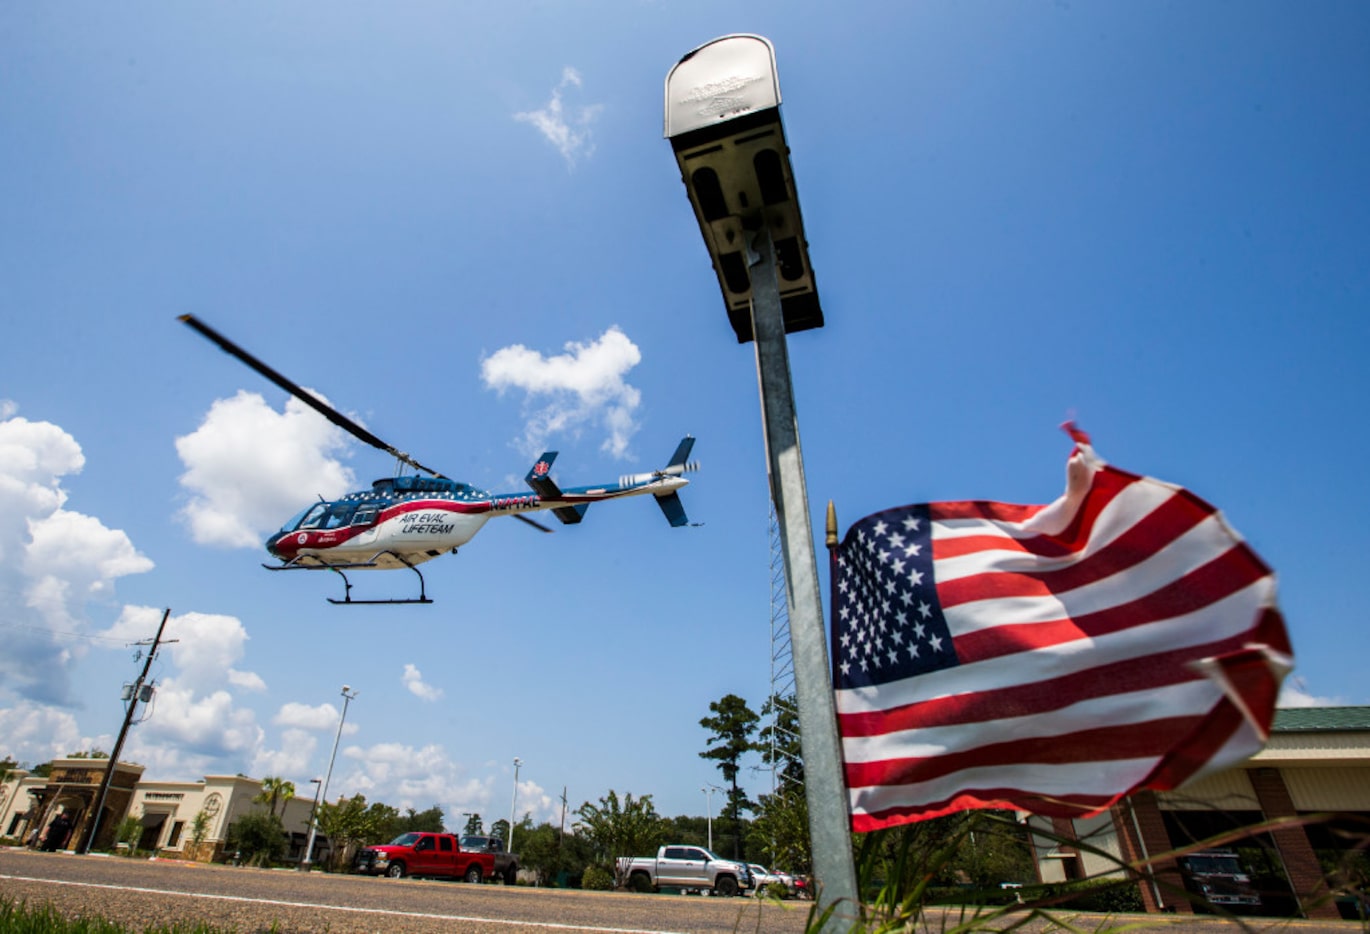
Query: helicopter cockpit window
(340,514)
(365,515)
(293,522)
(314,517)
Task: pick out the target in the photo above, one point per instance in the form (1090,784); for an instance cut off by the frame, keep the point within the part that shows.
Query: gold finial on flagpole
(832,526)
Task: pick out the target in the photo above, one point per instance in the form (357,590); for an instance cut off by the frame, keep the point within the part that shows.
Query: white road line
(368,911)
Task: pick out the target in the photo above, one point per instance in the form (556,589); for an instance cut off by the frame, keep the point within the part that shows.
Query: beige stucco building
(1316,765)
(55,811)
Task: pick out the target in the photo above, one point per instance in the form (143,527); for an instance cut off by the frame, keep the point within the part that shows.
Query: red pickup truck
(425,854)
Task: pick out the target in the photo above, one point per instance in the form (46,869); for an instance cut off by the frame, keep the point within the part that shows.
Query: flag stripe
(1141,739)
(1168,523)
(1060,697)
(1067,673)
(1193,592)
(1104,489)
(1138,704)
(1052,658)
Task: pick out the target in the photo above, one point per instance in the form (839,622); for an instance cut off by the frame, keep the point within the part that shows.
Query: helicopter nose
(271,546)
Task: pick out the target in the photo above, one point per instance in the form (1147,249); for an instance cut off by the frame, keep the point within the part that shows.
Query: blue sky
(1148,217)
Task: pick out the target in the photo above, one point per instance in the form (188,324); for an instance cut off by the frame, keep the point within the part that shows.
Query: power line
(88,637)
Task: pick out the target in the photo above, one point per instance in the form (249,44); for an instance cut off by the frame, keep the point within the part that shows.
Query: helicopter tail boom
(542,484)
(661,484)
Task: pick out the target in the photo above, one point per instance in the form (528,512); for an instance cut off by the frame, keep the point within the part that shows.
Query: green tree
(7,765)
(259,838)
(557,858)
(970,847)
(429,820)
(780,832)
(474,825)
(274,789)
(347,824)
(732,727)
(386,823)
(199,829)
(500,828)
(89,754)
(390,823)
(692,831)
(614,829)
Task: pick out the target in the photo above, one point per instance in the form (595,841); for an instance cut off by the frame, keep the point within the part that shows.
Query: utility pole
(123,732)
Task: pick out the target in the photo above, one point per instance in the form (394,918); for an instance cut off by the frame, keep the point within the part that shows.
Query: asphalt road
(140,893)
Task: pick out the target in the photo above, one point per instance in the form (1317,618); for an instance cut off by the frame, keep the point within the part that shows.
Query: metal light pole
(709,806)
(348,695)
(509,844)
(723,121)
(313,813)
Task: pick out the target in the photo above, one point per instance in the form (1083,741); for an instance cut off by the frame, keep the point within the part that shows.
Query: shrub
(597,878)
(130,831)
(1107,896)
(259,836)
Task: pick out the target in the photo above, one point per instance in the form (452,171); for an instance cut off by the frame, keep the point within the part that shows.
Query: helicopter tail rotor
(678,465)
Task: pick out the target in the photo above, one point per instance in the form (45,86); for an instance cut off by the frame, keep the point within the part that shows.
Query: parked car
(686,867)
(425,854)
(1218,877)
(774,884)
(506,864)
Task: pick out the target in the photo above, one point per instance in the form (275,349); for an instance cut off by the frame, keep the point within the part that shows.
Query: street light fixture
(709,805)
(509,844)
(348,695)
(723,121)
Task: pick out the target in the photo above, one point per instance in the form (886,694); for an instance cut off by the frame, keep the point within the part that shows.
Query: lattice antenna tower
(782,654)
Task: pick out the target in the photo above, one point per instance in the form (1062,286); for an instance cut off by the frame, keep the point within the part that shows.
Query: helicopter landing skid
(347,584)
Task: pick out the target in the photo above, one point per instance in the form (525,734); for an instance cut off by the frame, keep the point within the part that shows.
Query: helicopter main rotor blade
(534,523)
(327,411)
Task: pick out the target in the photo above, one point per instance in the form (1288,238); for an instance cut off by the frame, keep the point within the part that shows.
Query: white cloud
(203,646)
(570,134)
(406,776)
(303,717)
(208,725)
(53,560)
(33,733)
(413,680)
(584,385)
(249,468)
(247,680)
(533,799)
(293,758)
(1294,693)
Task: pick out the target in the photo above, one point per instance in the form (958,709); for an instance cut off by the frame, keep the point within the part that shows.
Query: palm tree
(275,788)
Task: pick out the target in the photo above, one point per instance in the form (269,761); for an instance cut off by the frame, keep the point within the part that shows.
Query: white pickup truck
(686,867)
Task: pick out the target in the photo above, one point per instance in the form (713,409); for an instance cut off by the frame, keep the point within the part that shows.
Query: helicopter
(405,520)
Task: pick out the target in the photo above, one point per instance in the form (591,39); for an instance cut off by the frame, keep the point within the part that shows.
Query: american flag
(1051,658)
